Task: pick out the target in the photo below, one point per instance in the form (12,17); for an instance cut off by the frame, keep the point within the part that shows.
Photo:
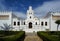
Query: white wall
(16,27)
(45,20)
(6,21)
(53,25)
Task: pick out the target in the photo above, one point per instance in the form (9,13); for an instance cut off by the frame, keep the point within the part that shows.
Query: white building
(31,23)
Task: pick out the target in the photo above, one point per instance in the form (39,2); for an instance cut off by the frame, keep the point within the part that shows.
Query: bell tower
(30,13)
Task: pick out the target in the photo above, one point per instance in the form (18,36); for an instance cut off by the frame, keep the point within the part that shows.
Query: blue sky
(40,7)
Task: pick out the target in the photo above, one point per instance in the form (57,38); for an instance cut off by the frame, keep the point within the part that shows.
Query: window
(24,23)
(36,23)
(14,23)
(30,13)
(42,23)
(45,23)
(30,16)
(18,23)
(4,17)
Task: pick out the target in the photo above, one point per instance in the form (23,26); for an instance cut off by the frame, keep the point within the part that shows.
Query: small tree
(6,27)
(58,23)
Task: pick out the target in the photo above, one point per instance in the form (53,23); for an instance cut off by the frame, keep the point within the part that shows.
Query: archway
(30,25)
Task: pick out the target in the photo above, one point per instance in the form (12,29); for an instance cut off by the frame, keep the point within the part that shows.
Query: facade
(31,23)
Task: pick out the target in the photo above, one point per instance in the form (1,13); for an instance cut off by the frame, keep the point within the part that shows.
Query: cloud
(40,11)
(20,14)
(49,6)
(4,8)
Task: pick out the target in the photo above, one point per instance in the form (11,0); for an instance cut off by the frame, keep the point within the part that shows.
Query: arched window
(30,13)
(30,16)
(24,23)
(45,23)
(41,23)
(14,23)
(18,23)
(36,23)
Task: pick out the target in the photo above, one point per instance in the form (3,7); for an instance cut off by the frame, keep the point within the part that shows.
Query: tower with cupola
(30,13)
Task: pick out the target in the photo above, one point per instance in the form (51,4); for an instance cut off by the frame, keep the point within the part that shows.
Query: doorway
(30,25)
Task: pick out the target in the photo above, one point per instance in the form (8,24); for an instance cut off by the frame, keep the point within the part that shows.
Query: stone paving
(32,37)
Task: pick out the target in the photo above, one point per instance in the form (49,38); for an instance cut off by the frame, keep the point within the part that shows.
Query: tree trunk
(57,27)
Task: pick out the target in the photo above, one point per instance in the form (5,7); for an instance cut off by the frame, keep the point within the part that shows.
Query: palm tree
(6,27)
(58,23)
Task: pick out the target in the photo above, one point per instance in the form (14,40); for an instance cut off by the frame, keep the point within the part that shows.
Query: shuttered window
(18,23)
(45,23)
(14,23)
(41,23)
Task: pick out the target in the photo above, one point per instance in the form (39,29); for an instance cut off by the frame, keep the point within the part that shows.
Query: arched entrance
(30,25)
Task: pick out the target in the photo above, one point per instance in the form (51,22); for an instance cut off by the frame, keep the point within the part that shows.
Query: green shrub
(16,35)
(48,37)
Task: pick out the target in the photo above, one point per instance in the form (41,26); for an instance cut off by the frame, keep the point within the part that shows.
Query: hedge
(18,36)
(48,37)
